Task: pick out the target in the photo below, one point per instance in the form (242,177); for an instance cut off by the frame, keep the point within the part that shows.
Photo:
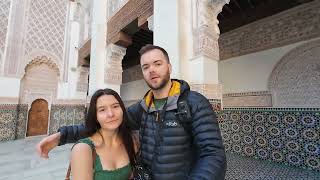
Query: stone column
(113,66)
(166,19)
(204,63)
(98,45)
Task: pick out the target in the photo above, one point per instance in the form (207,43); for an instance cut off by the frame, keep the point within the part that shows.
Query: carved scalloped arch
(40,56)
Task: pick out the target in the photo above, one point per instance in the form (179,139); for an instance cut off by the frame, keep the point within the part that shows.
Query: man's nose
(151,69)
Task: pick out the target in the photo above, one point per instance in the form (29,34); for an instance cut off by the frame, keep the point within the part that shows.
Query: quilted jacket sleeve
(70,134)
(135,113)
(211,164)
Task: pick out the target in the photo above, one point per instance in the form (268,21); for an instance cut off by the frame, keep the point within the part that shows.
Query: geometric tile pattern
(62,115)
(12,121)
(8,115)
(240,167)
(289,136)
(4,16)
(46,26)
(22,115)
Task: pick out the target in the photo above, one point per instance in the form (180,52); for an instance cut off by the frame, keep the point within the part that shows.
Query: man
(179,132)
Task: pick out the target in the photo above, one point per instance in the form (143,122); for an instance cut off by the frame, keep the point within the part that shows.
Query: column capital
(113,65)
(205,27)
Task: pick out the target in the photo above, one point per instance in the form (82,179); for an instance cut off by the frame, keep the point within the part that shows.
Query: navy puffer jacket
(169,149)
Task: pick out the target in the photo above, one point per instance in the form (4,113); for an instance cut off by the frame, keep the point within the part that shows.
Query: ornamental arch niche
(295,80)
(40,80)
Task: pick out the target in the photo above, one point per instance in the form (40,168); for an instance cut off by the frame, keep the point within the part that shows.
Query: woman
(109,136)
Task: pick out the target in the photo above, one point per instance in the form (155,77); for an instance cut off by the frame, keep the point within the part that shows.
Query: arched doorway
(38,118)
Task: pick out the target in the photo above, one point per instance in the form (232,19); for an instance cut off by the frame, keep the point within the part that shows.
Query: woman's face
(109,112)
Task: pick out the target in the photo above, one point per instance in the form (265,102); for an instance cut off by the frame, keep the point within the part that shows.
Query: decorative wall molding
(210,91)
(296,24)
(248,99)
(113,68)
(133,9)
(9,100)
(70,102)
(295,80)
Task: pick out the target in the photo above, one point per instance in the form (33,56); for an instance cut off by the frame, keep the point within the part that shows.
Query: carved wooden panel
(38,118)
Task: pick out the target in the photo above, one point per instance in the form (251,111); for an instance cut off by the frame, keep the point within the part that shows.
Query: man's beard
(162,83)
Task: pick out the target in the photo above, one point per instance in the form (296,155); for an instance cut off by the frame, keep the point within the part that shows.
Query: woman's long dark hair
(92,124)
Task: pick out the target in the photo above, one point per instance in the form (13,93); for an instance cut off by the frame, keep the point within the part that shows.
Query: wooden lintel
(122,39)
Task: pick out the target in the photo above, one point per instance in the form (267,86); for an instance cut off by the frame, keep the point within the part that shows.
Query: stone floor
(18,161)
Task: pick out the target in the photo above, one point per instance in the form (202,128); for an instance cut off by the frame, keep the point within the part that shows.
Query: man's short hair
(149,47)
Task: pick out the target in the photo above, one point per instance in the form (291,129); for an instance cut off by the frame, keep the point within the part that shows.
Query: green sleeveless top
(122,173)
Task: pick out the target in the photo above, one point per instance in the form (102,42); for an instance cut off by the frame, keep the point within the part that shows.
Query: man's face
(155,69)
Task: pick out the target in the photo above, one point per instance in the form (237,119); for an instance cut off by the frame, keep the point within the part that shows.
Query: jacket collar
(178,87)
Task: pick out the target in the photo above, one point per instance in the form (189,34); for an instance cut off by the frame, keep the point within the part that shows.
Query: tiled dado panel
(62,115)
(284,135)
(13,121)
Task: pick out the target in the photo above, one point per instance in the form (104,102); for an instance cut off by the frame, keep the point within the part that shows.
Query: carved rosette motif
(205,27)
(113,65)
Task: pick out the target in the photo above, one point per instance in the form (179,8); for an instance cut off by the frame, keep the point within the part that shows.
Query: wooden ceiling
(241,12)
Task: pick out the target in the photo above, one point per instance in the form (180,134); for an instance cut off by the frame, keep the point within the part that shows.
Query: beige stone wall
(294,25)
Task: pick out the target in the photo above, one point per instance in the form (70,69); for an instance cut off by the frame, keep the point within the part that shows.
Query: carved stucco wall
(45,30)
(295,80)
(4,18)
(294,25)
